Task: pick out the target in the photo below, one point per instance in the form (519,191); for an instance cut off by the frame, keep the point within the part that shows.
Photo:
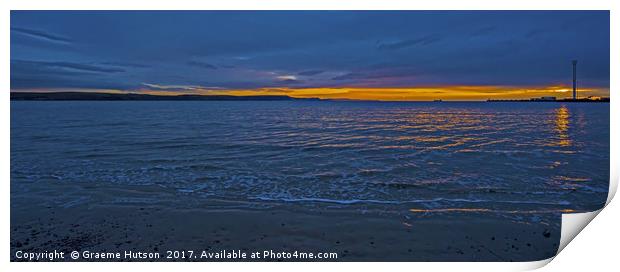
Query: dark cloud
(38,34)
(310,72)
(377,74)
(201,64)
(290,81)
(60,82)
(123,64)
(426,40)
(68,65)
(349,76)
(42,74)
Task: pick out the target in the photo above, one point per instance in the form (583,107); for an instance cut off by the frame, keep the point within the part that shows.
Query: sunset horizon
(447,93)
(378,55)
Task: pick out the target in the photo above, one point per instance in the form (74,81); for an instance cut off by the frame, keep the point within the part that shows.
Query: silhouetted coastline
(569,100)
(147,97)
(84,96)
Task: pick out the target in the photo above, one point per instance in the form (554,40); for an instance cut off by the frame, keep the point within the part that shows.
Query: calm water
(502,157)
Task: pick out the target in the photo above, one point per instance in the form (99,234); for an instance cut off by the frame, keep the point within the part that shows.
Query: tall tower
(574,79)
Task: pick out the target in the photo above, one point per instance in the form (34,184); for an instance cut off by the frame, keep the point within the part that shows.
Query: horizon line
(438,99)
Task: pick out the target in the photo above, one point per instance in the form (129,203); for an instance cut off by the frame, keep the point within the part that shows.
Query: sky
(370,55)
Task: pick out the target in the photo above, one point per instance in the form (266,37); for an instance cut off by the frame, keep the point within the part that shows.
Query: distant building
(544,98)
(592,97)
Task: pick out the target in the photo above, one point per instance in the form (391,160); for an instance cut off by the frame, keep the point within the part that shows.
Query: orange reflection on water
(562,124)
(489,210)
(449,210)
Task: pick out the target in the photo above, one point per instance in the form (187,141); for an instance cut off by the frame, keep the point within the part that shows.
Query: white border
(312,5)
(278,5)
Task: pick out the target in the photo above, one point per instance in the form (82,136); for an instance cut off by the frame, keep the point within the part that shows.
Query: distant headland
(148,97)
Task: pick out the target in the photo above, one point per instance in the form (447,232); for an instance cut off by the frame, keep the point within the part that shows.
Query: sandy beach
(355,232)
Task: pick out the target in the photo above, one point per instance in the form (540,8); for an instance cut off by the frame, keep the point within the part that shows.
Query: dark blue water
(489,157)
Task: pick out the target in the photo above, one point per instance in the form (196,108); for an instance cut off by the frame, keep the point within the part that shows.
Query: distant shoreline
(77,96)
(84,96)
(567,100)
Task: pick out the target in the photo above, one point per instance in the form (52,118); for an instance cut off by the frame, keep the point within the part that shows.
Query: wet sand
(354,233)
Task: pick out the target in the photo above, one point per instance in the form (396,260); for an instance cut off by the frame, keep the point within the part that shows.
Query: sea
(506,158)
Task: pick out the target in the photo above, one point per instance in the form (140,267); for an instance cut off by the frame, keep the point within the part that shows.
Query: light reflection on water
(504,156)
(562,123)
(482,210)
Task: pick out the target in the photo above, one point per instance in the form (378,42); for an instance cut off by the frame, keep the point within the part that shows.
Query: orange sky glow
(457,93)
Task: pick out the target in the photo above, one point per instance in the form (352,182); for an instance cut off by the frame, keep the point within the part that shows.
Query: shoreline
(355,232)
(354,237)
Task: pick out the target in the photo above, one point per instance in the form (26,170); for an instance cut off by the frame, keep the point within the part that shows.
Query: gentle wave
(443,155)
(372,201)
